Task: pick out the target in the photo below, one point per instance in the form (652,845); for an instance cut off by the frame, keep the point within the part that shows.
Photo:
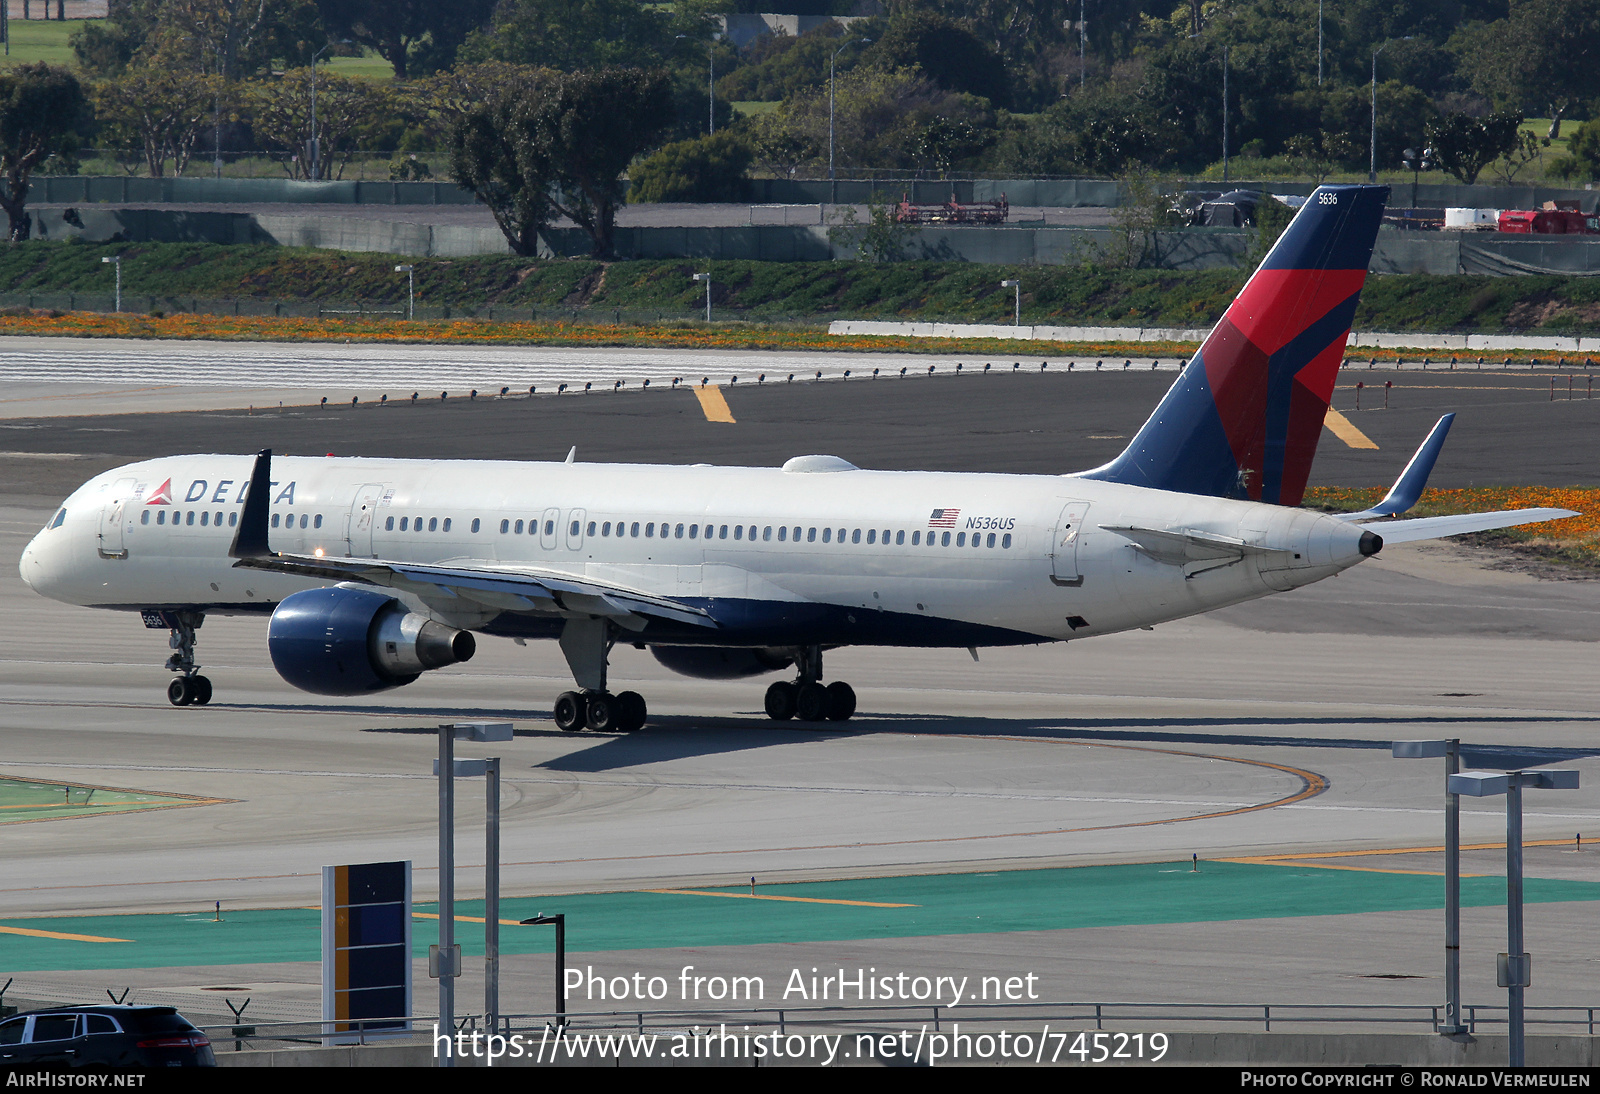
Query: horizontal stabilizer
(1407,531)
(1413,480)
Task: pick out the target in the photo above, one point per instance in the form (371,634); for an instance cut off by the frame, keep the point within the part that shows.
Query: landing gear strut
(807,698)
(586,644)
(190,686)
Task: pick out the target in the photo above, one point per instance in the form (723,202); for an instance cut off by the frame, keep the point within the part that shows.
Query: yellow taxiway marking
(791,899)
(467,919)
(30,933)
(1303,858)
(1345,430)
(716,407)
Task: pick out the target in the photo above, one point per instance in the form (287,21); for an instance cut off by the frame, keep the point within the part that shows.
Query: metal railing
(1171,1017)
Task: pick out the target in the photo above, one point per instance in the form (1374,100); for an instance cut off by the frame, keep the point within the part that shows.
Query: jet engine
(337,641)
(721,662)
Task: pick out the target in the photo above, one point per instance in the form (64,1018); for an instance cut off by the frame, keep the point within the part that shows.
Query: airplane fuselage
(818,553)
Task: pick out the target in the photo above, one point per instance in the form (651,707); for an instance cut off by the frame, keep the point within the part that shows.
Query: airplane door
(363,515)
(1064,544)
(549,529)
(575,518)
(111,520)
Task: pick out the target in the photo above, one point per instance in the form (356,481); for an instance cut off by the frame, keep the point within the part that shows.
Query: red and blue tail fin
(1244,417)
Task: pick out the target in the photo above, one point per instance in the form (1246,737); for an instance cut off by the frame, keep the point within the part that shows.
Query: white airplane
(375,571)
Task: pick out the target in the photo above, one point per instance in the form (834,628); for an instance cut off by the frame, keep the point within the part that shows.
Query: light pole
(1319,43)
(711,87)
(316,149)
(1016,320)
(1372,169)
(833,186)
(560,921)
(116,260)
(706,277)
(1224,114)
(1451,751)
(411,289)
(1514,969)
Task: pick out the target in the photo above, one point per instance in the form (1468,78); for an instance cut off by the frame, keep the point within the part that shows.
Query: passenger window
(505,526)
(944,540)
(190,519)
(317,523)
(161,517)
(54,1027)
(693,528)
(274,519)
(811,535)
(475,523)
(961,539)
(388,525)
(634,530)
(855,537)
(650,529)
(738,531)
(446,523)
(783,532)
(11,1032)
(605,529)
(722,533)
(591,527)
(916,538)
(766,533)
(519,527)
(533,527)
(144,517)
(1005,541)
(205,519)
(405,524)
(991,539)
(678,532)
(872,536)
(827,535)
(100,1023)
(899,537)
(549,528)
(572,531)
(233,519)
(433,524)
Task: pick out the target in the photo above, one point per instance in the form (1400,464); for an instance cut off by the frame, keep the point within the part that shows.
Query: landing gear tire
(841,701)
(781,700)
(202,690)
(631,711)
(603,712)
(811,702)
(180,691)
(571,711)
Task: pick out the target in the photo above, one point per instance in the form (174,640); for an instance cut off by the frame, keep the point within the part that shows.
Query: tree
(710,168)
(415,36)
(945,51)
(41,111)
(1544,56)
(879,115)
(1464,146)
(778,146)
(558,143)
(163,111)
(574,34)
(230,38)
(281,112)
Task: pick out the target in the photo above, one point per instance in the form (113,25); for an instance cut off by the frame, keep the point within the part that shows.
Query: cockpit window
(56,523)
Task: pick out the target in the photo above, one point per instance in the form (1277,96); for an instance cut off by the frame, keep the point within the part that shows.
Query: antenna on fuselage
(572,454)
(250,541)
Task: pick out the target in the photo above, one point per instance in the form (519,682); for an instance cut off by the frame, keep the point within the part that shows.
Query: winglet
(250,541)
(1413,480)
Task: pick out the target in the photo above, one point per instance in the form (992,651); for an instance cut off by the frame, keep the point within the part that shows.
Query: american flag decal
(943,518)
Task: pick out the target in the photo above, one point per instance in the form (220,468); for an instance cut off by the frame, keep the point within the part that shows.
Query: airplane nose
(29,566)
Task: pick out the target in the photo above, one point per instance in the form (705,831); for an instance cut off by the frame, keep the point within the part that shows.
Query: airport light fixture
(411,289)
(1451,752)
(560,921)
(1372,169)
(316,147)
(445,960)
(1016,318)
(1514,969)
(116,260)
(833,185)
(706,277)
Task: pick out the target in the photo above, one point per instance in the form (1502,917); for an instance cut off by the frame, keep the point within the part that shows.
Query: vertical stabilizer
(1244,417)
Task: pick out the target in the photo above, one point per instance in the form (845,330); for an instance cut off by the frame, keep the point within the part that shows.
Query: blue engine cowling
(721,662)
(336,641)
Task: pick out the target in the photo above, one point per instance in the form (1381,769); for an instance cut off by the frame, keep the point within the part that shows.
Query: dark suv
(103,1036)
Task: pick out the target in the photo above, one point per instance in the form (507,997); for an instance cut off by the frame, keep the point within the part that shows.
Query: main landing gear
(586,643)
(190,687)
(808,699)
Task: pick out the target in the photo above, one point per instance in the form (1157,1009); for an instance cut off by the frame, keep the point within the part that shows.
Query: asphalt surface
(1198,738)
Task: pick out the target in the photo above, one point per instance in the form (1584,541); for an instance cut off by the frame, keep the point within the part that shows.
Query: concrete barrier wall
(1061,193)
(1188,249)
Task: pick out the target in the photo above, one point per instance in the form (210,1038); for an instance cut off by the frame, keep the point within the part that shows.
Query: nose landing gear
(190,687)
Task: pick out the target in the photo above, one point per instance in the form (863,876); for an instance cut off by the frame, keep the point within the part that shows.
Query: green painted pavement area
(1019,900)
(29,800)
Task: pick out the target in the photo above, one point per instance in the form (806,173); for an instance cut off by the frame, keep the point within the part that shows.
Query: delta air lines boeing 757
(375,571)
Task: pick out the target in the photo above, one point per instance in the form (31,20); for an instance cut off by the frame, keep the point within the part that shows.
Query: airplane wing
(1408,531)
(519,589)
